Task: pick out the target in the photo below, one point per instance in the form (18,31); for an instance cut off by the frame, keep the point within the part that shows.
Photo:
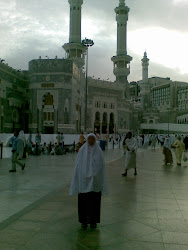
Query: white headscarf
(89,173)
(21,136)
(167,143)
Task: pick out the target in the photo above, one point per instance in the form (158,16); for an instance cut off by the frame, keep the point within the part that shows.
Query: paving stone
(149,211)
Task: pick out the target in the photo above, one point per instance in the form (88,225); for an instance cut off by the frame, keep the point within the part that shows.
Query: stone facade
(13,99)
(109,111)
(56,96)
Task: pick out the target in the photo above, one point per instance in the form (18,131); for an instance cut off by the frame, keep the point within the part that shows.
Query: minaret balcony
(122,10)
(77,46)
(75,52)
(75,2)
(125,58)
(121,71)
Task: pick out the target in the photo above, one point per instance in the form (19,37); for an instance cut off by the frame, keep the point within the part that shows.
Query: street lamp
(168,119)
(87,43)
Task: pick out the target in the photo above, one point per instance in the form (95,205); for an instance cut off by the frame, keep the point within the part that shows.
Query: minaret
(145,64)
(74,48)
(145,88)
(120,61)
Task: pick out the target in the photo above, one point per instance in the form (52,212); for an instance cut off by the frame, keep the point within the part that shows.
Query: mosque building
(55,98)
(56,95)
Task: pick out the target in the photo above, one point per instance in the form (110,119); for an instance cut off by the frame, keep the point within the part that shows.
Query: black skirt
(89,205)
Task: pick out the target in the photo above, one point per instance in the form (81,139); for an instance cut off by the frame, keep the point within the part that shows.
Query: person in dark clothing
(186,142)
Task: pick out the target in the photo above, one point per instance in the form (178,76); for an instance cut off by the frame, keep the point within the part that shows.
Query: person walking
(89,182)
(29,144)
(179,149)
(15,153)
(82,139)
(130,147)
(139,141)
(153,141)
(146,141)
(61,138)
(167,152)
(37,149)
(58,137)
(186,142)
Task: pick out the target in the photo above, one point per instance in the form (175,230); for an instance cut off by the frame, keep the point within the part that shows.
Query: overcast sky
(32,28)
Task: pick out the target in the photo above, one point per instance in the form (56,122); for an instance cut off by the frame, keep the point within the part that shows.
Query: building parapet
(172,127)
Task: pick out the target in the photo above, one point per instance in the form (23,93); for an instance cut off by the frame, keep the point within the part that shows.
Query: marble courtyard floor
(149,211)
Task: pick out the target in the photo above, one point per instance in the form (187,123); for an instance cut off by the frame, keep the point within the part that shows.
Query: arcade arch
(66,111)
(48,113)
(97,122)
(111,124)
(104,122)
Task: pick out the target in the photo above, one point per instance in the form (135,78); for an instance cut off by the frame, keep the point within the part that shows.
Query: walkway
(41,176)
(149,211)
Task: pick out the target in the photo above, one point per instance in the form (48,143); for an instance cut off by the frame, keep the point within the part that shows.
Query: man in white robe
(130,147)
(146,141)
(153,141)
(139,141)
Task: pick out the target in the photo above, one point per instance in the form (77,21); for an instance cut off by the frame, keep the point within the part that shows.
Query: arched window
(104,117)
(66,112)
(97,117)
(67,104)
(48,99)
(15,116)
(121,123)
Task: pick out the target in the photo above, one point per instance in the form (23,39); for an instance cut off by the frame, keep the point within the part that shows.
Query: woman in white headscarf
(130,147)
(89,182)
(167,152)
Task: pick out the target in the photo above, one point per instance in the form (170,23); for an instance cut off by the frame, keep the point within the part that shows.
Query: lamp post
(168,119)
(87,43)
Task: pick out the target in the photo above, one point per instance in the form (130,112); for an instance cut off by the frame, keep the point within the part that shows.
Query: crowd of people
(131,143)
(178,143)
(89,177)
(22,147)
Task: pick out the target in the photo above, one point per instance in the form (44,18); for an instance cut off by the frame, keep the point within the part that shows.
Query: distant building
(157,99)
(13,99)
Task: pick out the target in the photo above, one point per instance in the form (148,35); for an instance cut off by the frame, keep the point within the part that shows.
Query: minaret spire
(145,64)
(74,48)
(121,2)
(121,71)
(145,89)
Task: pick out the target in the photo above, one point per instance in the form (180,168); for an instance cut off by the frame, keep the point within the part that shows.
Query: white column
(39,119)
(55,121)
(100,127)
(145,64)
(75,21)
(122,34)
